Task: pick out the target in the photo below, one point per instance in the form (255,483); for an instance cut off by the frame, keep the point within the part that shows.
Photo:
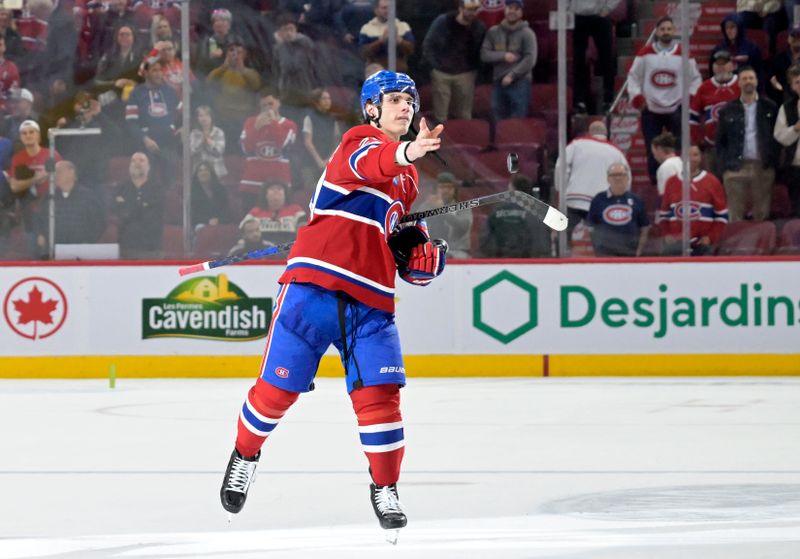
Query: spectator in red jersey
(172,66)
(707,210)
(9,76)
(267,139)
(28,177)
(711,96)
(279,221)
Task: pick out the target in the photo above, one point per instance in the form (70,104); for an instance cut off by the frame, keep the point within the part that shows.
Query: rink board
(733,317)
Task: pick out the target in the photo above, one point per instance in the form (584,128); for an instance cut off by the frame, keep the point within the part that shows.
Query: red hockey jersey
(360,198)
(266,149)
(705,105)
(707,208)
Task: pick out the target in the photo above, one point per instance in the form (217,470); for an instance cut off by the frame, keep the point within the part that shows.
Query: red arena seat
(748,238)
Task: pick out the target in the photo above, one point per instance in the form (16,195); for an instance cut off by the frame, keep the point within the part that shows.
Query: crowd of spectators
(264,72)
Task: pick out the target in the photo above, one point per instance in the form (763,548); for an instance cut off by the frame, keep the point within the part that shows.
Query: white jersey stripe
(337,269)
(348,215)
(260,417)
(383,447)
(380,427)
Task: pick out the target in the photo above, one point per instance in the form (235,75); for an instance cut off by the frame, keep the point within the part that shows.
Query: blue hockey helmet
(386,81)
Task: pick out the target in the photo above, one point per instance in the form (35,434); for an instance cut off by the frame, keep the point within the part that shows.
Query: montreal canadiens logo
(281,372)
(392,217)
(618,214)
(35,308)
(690,210)
(664,79)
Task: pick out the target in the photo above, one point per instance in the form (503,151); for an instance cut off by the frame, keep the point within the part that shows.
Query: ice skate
(388,510)
(240,474)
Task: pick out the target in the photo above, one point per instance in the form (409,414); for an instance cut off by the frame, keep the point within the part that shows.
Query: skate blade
(392,536)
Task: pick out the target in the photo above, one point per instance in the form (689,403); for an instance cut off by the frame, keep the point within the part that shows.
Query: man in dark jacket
(139,203)
(512,232)
(79,214)
(747,153)
(452,47)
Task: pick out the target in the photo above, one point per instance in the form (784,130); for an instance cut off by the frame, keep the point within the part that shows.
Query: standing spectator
(655,85)
(210,53)
(90,154)
(455,228)
(787,132)
(512,232)
(510,47)
(279,221)
(617,217)
(151,113)
(747,153)
(587,159)
(32,25)
(452,47)
(233,88)
(294,64)
(139,203)
(7,31)
(266,140)
(763,14)
(711,96)
(79,215)
(28,177)
(373,38)
(592,20)
(664,148)
(251,238)
(21,110)
(9,76)
(777,87)
(117,71)
(209,200)
(734,40)
(106,23)
(321,134)
(706,209)
(207,142)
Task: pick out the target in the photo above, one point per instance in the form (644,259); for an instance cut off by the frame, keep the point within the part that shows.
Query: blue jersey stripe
(255,422)
(385,437)
(358,202)
(340,276)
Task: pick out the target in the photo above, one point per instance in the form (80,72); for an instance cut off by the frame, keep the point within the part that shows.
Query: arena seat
(789,239)
(214,241)
(518,131)
(172,242)
(462,132)
(747,238)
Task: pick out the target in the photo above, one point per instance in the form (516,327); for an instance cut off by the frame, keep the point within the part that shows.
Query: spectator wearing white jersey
(655,85)
(664,148)
(587,159)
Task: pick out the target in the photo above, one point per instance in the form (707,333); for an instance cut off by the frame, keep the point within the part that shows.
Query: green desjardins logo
(661,313)
(207,308)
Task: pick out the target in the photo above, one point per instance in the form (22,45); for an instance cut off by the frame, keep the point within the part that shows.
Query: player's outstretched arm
(427,140)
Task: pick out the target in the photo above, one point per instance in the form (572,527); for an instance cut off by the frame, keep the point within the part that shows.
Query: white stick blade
(554,219)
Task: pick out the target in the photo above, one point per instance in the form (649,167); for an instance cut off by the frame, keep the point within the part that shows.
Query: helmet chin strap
(377,120)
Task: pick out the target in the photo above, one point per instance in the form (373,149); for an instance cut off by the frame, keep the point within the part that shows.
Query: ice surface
(506,468)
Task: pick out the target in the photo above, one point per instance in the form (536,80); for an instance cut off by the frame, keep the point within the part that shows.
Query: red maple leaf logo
(34,309)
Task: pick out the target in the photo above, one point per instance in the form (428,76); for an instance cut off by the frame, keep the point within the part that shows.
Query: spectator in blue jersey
(373,39)
(151,114)
(617,217)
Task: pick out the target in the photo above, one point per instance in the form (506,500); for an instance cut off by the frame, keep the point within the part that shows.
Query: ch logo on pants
(281,372)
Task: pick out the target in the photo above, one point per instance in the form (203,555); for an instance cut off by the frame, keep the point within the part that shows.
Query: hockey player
(338,288)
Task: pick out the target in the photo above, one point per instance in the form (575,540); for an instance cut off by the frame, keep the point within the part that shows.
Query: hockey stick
(550,216)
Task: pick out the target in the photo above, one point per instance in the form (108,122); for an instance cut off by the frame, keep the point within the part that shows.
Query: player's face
(397,113)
